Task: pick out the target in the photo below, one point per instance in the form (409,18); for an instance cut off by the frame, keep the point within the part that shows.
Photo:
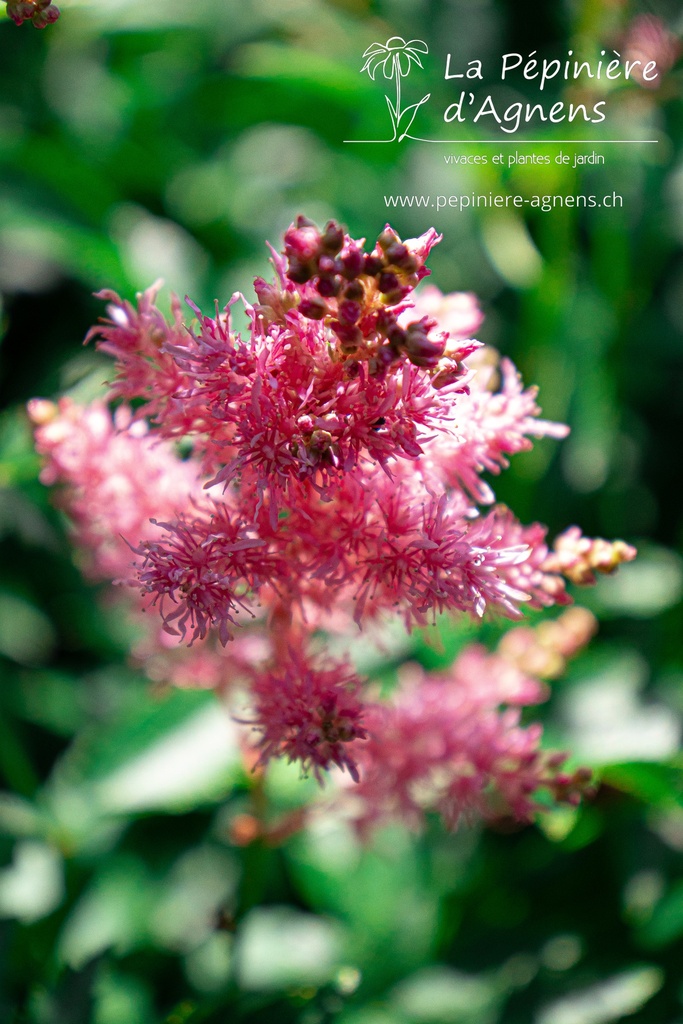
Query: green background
(172,140)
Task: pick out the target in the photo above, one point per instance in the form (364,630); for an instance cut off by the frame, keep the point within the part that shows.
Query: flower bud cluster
(580,558)
(356,292)
(40,12)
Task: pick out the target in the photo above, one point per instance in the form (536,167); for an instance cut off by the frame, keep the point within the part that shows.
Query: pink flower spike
(329,465)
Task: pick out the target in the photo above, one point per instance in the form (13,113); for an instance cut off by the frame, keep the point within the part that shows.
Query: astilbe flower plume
(331,478)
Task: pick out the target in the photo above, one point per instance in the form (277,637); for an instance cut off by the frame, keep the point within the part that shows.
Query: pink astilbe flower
(445,745)
(203,570)
(135,338)
(305,416)
(430,557)
(332,478)
(489,427)
(307,712)
(114,477)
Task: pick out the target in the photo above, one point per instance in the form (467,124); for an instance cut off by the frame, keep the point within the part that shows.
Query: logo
(395,58)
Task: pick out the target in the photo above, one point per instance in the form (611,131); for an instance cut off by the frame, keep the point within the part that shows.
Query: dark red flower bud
(396,253)
(326,265)
(381,361)
(388,282)
(302,240)
(349,336)
(372,265)
(419,348)
(313,309)
(385,321)
(333,239)
(298,272)
(352,263)
(393,297)
(349,312)
(329,287)
(354,291)
(387,239)
(396,337)
(46,16)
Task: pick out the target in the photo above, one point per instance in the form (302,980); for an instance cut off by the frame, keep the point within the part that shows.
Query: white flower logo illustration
(395,58)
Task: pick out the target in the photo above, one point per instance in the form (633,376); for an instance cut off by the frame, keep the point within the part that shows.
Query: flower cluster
(444,745)
(40,12)
(331,475)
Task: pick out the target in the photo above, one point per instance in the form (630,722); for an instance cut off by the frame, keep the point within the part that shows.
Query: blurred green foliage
(140,141)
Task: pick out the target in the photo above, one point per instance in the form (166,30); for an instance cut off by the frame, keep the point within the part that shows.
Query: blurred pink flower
(113,477)
(648,39)
(445,745)
(579,558)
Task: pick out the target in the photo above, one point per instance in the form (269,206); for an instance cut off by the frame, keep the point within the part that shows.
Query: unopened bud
(302,240)
(385,321)
(46,16)
(372,265)
(396,253)
(350,337)
(387,239)
(354,291)
(326,265)
(298,272)
(333,239)
(397,337)
(352,262)
(382,360)
(420,349)
(313,309)
(268,294)
(349,312)
(388,282)
(328,287)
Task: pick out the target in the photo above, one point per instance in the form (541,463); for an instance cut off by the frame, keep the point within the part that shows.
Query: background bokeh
(171,140)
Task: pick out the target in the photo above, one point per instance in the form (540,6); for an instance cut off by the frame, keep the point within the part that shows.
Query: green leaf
(666,922)
(649,782)
(279,947)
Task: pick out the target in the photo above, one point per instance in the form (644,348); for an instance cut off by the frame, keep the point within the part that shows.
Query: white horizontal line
(517,142)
